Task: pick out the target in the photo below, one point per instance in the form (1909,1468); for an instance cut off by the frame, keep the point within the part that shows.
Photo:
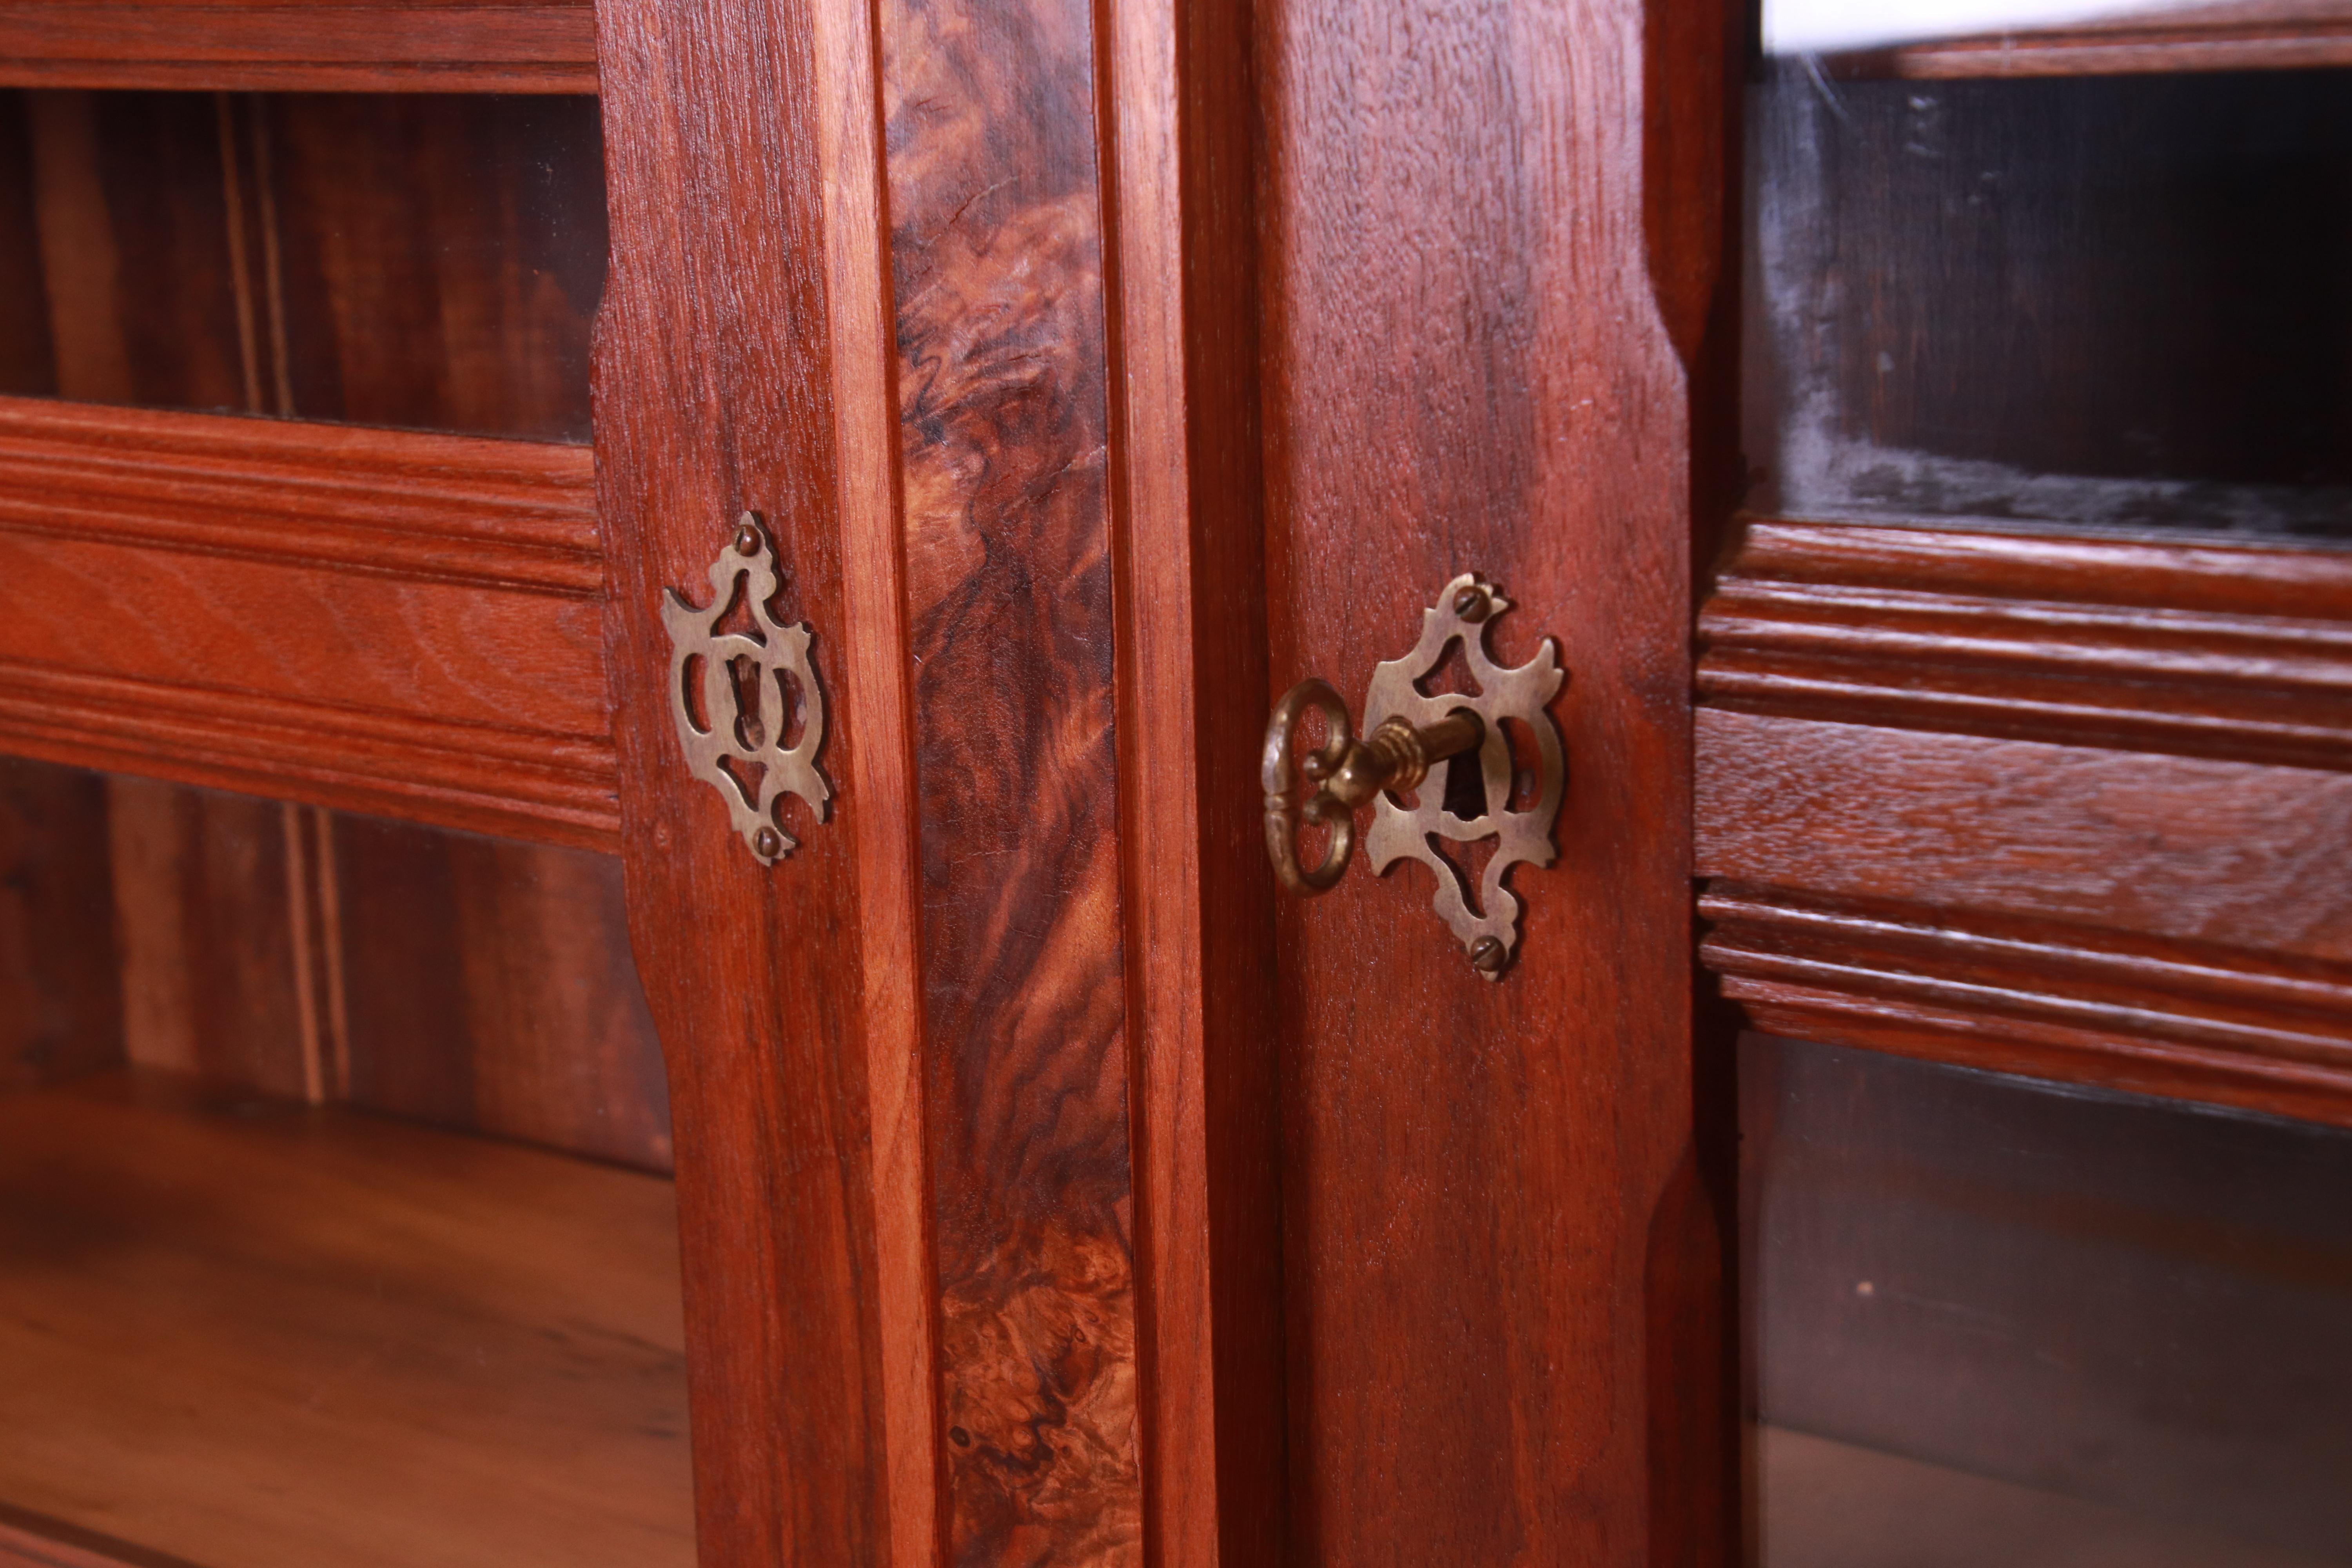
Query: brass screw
(747,536)
(1473,605)
(1486,956)
(768,844)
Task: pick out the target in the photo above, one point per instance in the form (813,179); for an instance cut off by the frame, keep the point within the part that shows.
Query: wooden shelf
(238,1334)
(2251,35)
(378,46)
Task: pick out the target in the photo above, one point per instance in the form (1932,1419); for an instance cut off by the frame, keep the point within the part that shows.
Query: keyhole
(1465,785)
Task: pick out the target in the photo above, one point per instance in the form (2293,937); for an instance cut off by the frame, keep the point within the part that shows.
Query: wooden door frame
(771,183)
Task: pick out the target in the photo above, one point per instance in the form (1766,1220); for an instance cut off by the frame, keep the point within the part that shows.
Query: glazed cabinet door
(336,1217)
(1055,1190)
(992,409)
(1100,372)
(2022,805)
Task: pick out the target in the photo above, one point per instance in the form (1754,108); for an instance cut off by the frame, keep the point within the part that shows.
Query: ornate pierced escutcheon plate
(1463,612)
(734,694)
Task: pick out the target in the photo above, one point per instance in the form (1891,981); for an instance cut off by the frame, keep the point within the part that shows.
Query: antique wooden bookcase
(1046,1188)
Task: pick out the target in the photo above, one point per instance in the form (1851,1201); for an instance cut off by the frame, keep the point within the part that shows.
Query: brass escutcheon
(744,684)
(1411,732)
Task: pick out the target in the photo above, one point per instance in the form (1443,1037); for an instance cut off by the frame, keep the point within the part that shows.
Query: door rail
(391,622)
(2075,806)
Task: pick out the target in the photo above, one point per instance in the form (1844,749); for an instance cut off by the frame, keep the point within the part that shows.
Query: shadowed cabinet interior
(2024,809)
(335,1217)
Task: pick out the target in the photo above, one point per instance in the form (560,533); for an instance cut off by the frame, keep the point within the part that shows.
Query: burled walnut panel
(996,254)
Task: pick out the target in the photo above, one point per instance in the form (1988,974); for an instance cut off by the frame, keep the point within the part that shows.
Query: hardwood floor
(247,1335)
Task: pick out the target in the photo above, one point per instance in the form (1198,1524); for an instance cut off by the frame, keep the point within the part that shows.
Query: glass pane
(2000,1322)
(396,259)
(2120,302)
(335,1220)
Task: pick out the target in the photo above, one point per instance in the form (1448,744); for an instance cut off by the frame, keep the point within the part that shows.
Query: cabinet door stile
(719,390)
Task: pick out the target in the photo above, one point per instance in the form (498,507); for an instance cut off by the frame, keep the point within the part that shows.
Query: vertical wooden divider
(866,401)
(740,364)
(1187,493)
(997,252)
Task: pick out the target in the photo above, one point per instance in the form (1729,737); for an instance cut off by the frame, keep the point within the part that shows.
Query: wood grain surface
(60,1008)
(714,386)
(1495,331)
(35,1540)
(2188,1020)
(432,261)
(27,365)
(232,1322)
(996,253)
(206,937)
(1188,498)
(161,250)
(408,505)
(2237,854)
(489,987)
(2209,648)
(292,46)
(2235,35)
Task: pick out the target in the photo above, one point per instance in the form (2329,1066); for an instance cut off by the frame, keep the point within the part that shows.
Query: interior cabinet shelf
(379,46)
(240,1333)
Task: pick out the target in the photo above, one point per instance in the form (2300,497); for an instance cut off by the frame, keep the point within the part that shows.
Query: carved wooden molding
(410,504)
(417,45)
(2190,1020)
(2205,649)
(381,621)
(2076,807)
(2239,35)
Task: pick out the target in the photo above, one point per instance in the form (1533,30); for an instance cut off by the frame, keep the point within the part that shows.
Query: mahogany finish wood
(231,1321)
(406,505)
(2169,1287)
(2244,34)
(361,618)
(997,263)
(61,1010)
(2200,850)
(489,987)
(1188,539)
(2185,1019)
(1495,318)
(2202,648)
(297,45)
(427,260)
(2068,805)
(27,362)
(741,363)
(203,894)
(30,1541)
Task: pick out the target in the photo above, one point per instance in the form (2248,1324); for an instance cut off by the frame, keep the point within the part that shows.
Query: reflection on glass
(400,260)
(2106,302)
(1997,1321)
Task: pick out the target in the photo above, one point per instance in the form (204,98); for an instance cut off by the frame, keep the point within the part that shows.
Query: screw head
(1473,605)
(1488,954)
(747,535)
(767,844)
